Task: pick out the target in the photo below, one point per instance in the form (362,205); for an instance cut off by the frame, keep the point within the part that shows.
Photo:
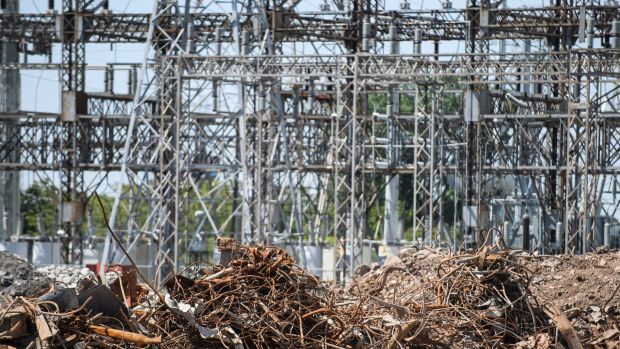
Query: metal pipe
(525,228)
(527,49)
(394,39)
(111,80)
(506,230)
(615,33)
(218,50)
(106,79)
(190,38)
(214,96)
(130,82)
(417,41)
(590,32)
(134,72)
(516,101)
(366,36)
(559,234)
(218,39)
(245,42)
(606,236)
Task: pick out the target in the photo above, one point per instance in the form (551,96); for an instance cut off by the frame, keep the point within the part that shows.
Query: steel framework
(259,115)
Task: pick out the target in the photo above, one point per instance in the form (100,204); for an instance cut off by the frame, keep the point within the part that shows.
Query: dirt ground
(578,281)
(585,288)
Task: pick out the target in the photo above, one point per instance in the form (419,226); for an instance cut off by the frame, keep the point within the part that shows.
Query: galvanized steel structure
(268,101)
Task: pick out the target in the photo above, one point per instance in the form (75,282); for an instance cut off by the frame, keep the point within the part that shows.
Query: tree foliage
(40,201)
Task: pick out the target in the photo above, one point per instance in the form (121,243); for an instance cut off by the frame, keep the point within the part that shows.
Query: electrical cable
(35,6)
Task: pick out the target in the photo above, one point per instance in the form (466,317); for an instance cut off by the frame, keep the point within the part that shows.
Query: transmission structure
(262,116)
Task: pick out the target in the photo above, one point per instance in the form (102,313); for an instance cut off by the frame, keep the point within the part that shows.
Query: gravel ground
(66,275)
(20,278)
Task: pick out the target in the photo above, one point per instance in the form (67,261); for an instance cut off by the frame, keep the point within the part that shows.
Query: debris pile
(66,275)
(259,298)
(18,277)
(586,289)
(481,300)
(574,299)
(262,299)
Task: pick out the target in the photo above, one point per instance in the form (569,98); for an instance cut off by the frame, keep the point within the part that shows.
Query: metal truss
(289,25)
(253,119)
(520,142)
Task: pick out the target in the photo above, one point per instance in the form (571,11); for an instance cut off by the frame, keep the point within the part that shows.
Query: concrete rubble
(66,275)
(259,298)
(18,277)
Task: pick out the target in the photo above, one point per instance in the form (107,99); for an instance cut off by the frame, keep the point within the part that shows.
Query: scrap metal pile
(259,298)
(480,300)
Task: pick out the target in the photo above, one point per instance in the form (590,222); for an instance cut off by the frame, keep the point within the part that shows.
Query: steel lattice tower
(258,115)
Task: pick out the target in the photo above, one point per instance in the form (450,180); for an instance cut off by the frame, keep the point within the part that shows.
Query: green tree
(39,201)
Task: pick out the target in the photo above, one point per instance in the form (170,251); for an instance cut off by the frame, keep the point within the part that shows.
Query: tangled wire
(477,300)
(262,297)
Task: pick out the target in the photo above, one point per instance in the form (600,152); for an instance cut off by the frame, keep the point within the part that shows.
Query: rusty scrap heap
(259,298)
(478,300)
(262,299)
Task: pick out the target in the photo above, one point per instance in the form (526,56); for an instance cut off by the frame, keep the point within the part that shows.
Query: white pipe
(516,101)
